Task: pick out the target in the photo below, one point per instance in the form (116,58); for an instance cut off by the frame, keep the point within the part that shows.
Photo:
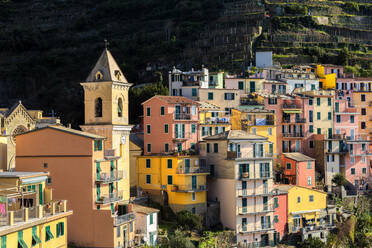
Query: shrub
(339,180)
(189,221)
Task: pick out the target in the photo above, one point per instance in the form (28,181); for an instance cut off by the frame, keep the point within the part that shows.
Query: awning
(292,111)
(306,211)
(33,180)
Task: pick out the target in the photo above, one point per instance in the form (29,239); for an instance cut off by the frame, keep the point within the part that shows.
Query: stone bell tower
(106,111)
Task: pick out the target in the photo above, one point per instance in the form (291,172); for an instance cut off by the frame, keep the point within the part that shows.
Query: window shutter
(183,130)
(176,130)
(58,230)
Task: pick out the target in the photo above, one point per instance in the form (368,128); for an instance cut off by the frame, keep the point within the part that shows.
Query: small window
(309,164)
(169,164)
(151,219)
(49,180)
(318,116)
(45,165)
(289,166)
(309,181)
(193,196)
(148,147)
(60,229)
(276,218)
(298,199)
(166,128)
(362,97)
(166,147)
(193,210)
(215,147)
(118,232)
(120,108)
(364,170)
(148,179)
(193,128)
(162,110)
(329,116)
(351,118)
(352,171)
(310,102)
(319,131)
(363,125)
(318,101)
(148,129)
(311,198)
(148,163)
(364,112)
(338,118)
(210,95)
(329,102)
(208,148)
(311,144)
(170,180)
(276,202)
(311,128)
(98,107)
(193,92)
(148,111)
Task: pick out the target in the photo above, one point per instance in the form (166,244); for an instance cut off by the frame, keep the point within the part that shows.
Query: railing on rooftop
(125,218)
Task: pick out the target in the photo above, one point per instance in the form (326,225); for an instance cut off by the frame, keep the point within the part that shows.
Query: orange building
(82,173)
(299,169)
(171,123)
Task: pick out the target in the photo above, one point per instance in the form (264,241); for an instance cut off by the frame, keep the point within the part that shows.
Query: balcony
(182,116)
(261,175)
(293,135)
(121,219)
(181,137)
(216,120)
(110,198)
(257,244)
(291,106)
(189,188)
(336,136)
(251,228)
(256,210)
(356,138)
(253,192)
(263,122)
(104,177)
(231,155)
(192,169)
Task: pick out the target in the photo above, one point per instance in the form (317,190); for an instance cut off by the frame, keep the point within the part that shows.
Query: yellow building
(177,181)
(212,120)
(256,121)
(29,216)
(305,206)
(327,81)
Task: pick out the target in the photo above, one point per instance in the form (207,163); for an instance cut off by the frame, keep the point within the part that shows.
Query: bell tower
(106,111)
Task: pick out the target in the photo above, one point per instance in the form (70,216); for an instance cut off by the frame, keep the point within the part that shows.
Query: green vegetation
(189,221)
(339,179)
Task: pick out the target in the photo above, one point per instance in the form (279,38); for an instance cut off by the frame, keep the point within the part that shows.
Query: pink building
(275,87)
(280,213)
(299,169)
(171,123)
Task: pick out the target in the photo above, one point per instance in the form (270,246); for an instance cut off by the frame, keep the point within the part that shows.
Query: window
(148,147)
(166,128)
(362,97)
(97,145)
(254,130)
(329,102)
(120,108)
(241,85)
(276,219)
(148,179)
(60,229)
(351,118)
(310,116)
(309,181)
(170,180)
(49,180)
(208,148)
(118,232)
(193,210)
(308,164)
(337,107)
(311,144)
(364,170)
(148,129)
(131,227)
(229,96)
(151,219)
(45,165)
(148,111)
(338,118)
(271,148)
(193,128)
(289,166)
(318,116)
(193,92)
(311,198)
(270,131)
(169,164)
(329,116)
(364,111)
(35,239)
(311,102)
(48,234)
(311,128)
(162,110)
(192,146)
(276,202)
(193,196)
(166,147)
(148,163)
(363,125)
(352,171)
(298,199)
(318,101)
(98,107)
(215,147)
(318,131)
(210,95)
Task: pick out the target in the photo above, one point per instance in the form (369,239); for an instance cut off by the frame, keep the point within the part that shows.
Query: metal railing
(290,106)
(112,197)
(254,228)
(261,175)
(258,122)
(192,169)
(125,218)
(107,177)
(255,210)
(217,120)
(293,135)
(188,188)
(252,192)
(182,116)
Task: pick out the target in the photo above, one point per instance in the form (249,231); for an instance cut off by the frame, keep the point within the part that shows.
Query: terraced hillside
(48,46)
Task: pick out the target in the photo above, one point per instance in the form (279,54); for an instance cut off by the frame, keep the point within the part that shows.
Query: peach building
(299,169)
(171,123)
(93,179)
(241,168)
(280,213)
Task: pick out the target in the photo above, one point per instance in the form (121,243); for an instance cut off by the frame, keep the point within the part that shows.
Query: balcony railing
(358,138)
(261,175)
(257,244)
(189,188)
(53,207)
(121,219)
(252,192)
(263,122)
(293,135)
(216,120)
(256,228)
(290,106)
(256,210)
(104,177)
(182,116)
(109,198)
(192,169)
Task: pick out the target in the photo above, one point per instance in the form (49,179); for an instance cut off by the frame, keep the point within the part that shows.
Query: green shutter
(98,191)
(95,145)
(34,235)
(151,219)
(183,130)
(176,130)
(193,128)
(111,188)
(112,208)
(62,228)
(40,194)
(58,231)
(3,242)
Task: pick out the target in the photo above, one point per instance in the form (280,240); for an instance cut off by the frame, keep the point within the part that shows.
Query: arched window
(99,75)
(120,107)
(98,107)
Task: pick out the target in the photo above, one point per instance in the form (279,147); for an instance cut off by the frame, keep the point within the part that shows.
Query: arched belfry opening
(98,107)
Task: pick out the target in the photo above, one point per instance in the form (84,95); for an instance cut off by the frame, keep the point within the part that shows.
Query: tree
(339,179)
(311,243)
(180,240)
(189,221)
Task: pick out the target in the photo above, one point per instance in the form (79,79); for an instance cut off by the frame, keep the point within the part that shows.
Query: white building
(146,224)
(187,80)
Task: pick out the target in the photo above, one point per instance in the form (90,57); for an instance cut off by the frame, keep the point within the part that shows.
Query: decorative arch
(99,75)
(120,107)
(98,107)
(18,130)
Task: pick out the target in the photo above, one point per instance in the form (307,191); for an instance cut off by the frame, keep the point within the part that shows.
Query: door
(264,201)
(125,236)
(264,240)
(352,134)
(178,112)
(194,183)
(265,187)
(244,205)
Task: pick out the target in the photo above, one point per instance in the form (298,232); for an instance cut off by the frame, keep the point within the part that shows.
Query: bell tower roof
(106,69)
